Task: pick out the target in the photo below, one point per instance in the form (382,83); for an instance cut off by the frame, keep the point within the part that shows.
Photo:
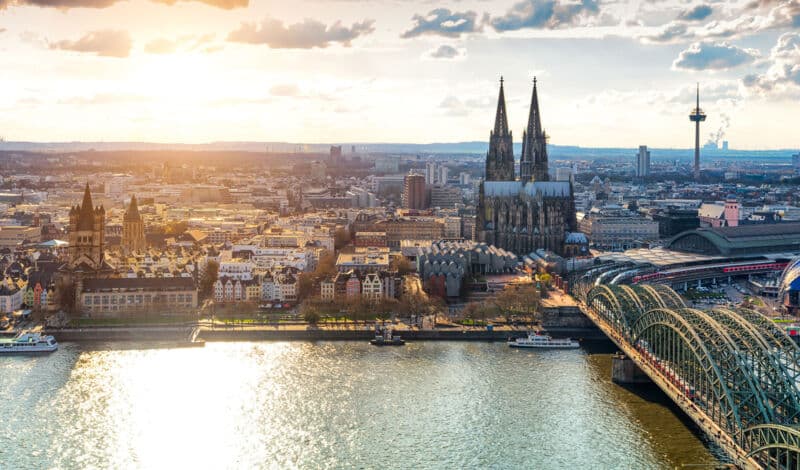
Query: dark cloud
(714,56)
(66,4)
(783,73)
(698,13)
(443,22)
(545,14)
(105,43)
(306,35)
(445,52)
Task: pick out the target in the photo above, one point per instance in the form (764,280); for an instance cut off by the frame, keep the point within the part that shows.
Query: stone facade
(527,214)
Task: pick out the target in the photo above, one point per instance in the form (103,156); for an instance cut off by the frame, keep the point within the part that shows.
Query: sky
(617,73)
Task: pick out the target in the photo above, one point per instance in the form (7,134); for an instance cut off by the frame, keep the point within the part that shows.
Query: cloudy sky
(611,73)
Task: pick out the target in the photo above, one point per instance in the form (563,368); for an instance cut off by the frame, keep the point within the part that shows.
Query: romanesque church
(529,213)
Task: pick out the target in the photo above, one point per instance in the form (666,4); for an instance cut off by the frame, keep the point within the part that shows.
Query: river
(333,405)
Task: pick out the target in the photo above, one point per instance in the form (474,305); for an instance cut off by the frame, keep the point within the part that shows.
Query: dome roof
(790,279)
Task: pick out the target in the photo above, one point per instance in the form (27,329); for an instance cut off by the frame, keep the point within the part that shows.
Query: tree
(341,237)
(326,265)
(519,300)
(208,278)
(305,285)
(310,311)
(176,227)
(402,265)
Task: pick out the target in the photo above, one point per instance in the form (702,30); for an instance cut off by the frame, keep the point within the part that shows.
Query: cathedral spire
(534,117)
(501,118)
(500,158)
(533,162)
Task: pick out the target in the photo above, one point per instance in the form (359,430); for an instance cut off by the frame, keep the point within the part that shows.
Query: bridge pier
(625,371)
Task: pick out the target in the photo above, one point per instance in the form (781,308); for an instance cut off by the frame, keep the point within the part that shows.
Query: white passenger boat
(28,343)
(535,340)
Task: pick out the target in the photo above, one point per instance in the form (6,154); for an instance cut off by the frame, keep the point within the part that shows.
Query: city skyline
(397,72)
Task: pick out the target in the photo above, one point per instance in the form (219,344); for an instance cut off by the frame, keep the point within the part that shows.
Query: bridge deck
(701,419)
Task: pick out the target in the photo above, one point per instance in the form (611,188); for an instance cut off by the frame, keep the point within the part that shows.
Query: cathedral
(526,214)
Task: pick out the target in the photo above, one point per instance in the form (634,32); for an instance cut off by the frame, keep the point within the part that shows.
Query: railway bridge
(732,371)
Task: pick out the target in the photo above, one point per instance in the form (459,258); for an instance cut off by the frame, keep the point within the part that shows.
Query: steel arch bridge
(732,367)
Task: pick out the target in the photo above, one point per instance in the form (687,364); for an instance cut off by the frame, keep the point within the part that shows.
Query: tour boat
(386,339)
(535,340)
(28,343)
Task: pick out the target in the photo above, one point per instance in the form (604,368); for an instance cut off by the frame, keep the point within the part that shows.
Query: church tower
(133,228)
(500,158)
(86,233)
(533,162)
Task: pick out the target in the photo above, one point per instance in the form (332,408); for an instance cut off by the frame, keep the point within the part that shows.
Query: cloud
(445,52)
(161,46)
(185,43)
(714,56)
(454,106)
(285,89)
(698,13)
(306,35)
(443,22)
(224,4)
(545,14)
(672,32)
(104,43)
(783,74)
(67,4)
(756,17)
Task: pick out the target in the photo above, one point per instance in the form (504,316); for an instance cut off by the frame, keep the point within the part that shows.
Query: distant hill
(452,148)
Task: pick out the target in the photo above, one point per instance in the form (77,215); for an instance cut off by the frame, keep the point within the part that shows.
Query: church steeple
(86,213)
(500,158)
(501,117)
(533,162)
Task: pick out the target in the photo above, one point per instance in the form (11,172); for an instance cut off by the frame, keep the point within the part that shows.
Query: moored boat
(387,339)
(28,343)
(540,341)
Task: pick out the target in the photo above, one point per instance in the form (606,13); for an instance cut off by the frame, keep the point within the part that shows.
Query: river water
(332,405)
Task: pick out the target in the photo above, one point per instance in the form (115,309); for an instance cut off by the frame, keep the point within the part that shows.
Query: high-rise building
(336,153)
(133,228)
(725,145)
(414,192)
(443,174)
(643,162)
(430,173)
(464,178)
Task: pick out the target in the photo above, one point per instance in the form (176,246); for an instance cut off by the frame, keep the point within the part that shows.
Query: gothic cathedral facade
(526,214)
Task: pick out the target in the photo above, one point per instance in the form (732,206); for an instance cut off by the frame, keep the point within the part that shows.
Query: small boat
(386,339)
(536,340)
(28,343)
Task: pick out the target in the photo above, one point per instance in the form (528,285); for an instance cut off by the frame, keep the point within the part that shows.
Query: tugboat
(28,343)
(539,341)
(386,338)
